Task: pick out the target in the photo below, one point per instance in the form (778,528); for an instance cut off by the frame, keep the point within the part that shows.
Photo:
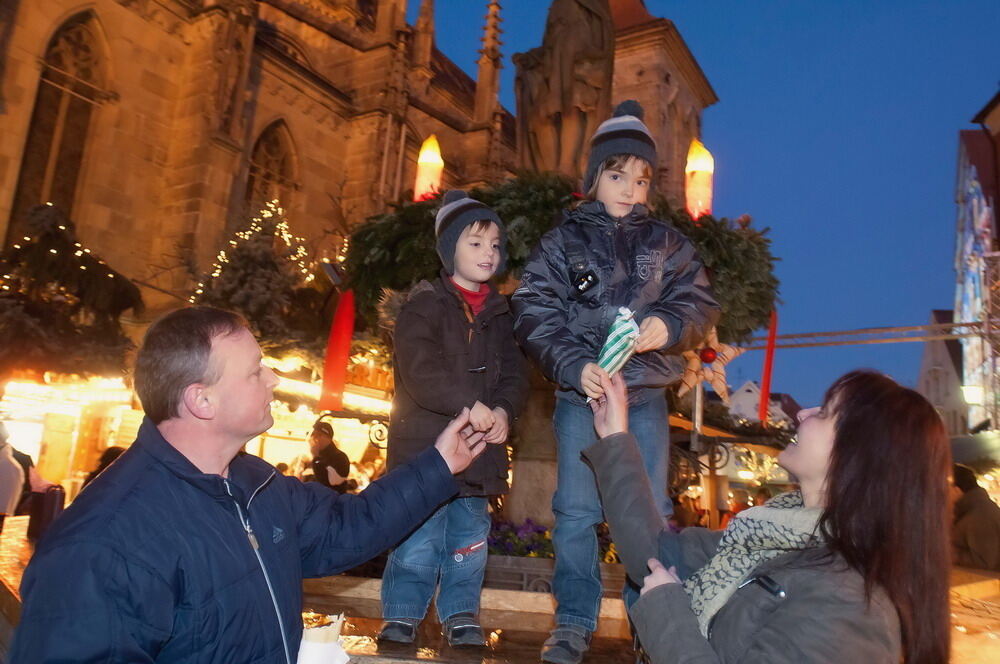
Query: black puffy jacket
(640,263)
(446,359)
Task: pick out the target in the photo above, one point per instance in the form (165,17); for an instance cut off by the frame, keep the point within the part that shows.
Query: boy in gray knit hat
(608,253)
(454,348)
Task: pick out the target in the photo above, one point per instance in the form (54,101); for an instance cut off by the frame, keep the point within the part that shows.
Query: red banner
(338,354)
(765,381)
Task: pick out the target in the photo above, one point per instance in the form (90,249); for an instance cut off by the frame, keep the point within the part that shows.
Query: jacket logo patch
(650,266)
(278,535)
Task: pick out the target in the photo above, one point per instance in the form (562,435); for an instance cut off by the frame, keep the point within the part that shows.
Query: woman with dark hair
(853,567)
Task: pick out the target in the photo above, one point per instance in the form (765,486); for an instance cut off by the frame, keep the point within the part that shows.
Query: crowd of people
(186,548)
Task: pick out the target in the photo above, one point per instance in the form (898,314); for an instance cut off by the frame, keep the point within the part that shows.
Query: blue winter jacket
(158,562)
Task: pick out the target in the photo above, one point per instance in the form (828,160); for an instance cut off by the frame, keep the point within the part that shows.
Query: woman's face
(808,458)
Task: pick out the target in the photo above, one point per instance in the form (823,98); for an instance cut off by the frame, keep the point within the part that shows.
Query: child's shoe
(566,645)
(462,629)
(398,631)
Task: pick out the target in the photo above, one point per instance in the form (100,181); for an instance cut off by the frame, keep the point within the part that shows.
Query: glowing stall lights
(698,176)
(353,398)
(430,166)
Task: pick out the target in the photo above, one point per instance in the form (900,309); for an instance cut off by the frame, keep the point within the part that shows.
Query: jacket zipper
(245,521)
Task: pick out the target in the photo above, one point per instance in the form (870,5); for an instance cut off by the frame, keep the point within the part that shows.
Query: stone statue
(564,86)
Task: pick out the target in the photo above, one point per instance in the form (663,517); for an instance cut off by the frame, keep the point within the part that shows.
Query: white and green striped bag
(620,344)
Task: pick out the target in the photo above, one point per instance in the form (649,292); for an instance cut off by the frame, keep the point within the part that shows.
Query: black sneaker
(566,645)
(398,631)
(463,630)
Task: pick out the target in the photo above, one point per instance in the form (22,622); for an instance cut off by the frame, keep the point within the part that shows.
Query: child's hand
(590,380)
(653,334)
(481,417)
(658,576)
(498,434)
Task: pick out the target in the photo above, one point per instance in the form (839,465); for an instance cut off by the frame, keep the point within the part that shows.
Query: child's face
(477,255)
(621,188)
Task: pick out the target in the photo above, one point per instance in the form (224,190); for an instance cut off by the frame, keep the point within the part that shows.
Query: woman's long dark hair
(887,503)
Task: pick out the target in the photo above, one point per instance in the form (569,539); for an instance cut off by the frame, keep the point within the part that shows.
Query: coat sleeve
(540,306)
(686,304)
(423,368)
(630,510)
(340,531)
(85,602)
(512,390)
(812,626)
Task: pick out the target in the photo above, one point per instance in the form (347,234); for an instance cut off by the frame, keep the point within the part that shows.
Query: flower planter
(535,574)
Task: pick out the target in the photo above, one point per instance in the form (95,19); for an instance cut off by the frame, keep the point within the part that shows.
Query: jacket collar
(247,473)
(595,212)
(496,303)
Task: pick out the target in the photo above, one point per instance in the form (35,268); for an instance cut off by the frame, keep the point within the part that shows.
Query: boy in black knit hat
(454,349)
(608,253)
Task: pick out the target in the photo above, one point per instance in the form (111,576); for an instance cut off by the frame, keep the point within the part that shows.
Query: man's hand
(458,444)
(498,434)
(611,410)
(590,380)
(658,576)
(653,334)
(481,417)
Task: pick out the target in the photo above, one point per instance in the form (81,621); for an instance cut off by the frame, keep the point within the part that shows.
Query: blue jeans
(576,583)
(450,545)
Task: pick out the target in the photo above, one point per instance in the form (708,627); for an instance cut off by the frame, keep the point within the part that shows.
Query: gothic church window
(272,168)
(72,85)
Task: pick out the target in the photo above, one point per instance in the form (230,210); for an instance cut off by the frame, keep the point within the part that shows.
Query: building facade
(976,263)
(940,379)
(160,126)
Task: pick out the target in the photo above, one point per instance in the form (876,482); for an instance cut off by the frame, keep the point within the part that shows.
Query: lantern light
(698,175)
(430,165)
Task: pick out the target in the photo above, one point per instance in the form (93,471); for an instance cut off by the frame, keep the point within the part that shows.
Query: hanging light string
(259,225)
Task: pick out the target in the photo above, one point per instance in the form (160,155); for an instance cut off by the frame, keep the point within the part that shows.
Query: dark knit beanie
(457,212)
(624,133)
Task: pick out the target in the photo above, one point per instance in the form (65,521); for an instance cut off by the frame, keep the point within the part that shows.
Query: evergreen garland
(396,250)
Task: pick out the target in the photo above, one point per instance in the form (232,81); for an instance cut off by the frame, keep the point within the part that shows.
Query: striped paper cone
(620,344)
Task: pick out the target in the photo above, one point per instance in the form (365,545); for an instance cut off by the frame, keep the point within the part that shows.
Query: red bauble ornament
(708,355)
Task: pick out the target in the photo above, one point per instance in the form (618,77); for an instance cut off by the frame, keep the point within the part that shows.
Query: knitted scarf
(753,536)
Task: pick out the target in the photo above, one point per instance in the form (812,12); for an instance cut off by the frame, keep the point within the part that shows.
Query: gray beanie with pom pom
(457,212)
(624,133)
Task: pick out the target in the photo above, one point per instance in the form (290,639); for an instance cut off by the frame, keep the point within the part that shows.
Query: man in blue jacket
(187,549)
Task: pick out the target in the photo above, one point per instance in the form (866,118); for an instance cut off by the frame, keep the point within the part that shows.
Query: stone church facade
(158,125)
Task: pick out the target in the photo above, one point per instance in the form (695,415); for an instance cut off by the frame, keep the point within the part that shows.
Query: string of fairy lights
(80,252)
(259,224)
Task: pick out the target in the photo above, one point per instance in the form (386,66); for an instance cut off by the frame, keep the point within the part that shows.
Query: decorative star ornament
(708,364)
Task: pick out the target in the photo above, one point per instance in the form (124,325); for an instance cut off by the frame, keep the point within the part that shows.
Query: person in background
(107,458)
(975,535)
(330,465)
(11,477)
(282,468)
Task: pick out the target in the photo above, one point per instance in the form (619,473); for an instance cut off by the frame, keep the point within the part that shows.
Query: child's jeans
(451,544)
(577,505)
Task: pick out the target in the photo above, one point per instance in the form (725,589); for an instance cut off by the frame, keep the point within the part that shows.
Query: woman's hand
(658,576)
(611,410)
(653,334)
(590,380)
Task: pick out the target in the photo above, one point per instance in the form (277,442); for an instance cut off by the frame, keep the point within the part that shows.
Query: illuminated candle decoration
(430,165)
(698,176)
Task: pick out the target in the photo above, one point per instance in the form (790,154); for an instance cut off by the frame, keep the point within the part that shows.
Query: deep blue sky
(836,127)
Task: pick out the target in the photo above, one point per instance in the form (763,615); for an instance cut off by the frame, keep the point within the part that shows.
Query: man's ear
(197,400)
